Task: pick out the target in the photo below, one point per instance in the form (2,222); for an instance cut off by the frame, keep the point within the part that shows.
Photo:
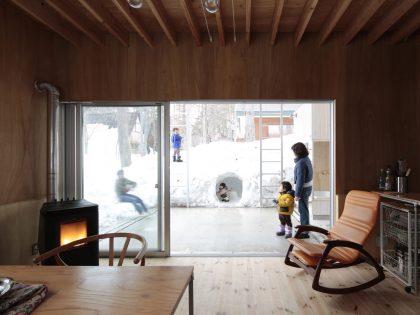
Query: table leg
(191,296)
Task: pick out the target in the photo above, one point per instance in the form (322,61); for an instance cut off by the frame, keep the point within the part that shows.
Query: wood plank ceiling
(391,20)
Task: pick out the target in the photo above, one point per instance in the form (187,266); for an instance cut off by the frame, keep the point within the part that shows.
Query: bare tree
(124,146)
(249,122)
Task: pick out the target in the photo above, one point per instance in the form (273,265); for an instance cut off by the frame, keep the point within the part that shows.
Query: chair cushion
(359,217)
(313,250)
(310,253)
(306,259)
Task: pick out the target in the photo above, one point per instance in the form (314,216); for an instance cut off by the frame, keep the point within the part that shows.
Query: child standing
(285,203)
(176,140)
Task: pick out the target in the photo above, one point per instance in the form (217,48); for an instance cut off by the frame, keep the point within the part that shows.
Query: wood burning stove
(67,221)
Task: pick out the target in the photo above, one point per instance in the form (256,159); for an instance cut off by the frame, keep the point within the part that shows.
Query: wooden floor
(260,286)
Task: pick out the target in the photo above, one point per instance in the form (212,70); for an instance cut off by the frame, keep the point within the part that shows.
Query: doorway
(116,153)
(245,145)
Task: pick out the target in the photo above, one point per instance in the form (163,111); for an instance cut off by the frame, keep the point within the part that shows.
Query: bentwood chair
(343,246)
(139,258)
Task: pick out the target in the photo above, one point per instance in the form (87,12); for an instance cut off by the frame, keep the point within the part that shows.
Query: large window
(248,147)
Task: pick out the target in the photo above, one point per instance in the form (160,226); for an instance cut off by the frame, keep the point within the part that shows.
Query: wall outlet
(35,249)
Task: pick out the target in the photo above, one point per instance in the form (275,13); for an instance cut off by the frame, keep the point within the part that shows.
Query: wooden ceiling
(395,20)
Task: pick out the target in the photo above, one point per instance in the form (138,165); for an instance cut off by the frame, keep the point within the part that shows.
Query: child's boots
(174,158)
(282,231)
(179,159)
(288,232)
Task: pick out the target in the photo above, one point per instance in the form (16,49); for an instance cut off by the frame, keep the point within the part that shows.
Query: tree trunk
(124,146)
(249,122)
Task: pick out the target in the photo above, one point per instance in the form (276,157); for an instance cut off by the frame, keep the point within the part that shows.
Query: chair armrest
(311,228)
(342,243)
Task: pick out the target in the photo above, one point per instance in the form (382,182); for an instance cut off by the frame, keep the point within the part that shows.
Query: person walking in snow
(223,192)
(176,140)
(122,187)
(285,204)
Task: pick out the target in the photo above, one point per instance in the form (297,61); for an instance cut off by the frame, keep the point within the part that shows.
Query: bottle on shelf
(382,179)
(388,179)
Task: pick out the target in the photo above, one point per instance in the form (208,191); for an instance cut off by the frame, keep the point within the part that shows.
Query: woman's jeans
(303,205)
(136,201)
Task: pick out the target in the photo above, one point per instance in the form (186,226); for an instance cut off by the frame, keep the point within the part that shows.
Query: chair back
(359,217)
(55,253)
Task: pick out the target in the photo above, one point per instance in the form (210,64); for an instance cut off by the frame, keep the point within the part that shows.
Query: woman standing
(303,182)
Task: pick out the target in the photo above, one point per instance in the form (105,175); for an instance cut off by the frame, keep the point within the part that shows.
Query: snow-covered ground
(208,165)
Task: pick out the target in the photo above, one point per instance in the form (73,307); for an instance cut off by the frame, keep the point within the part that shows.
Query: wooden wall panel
(358,76)
(406,104)
(19,227)
(25,55)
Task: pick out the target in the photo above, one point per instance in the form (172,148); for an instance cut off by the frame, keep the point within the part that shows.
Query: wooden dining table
(107,290)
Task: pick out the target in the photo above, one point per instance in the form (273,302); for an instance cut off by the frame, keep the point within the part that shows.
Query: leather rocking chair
(343,246)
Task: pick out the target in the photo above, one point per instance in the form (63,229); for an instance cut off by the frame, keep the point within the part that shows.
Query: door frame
(73,165)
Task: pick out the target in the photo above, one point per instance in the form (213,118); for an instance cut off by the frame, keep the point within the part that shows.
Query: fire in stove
(72,231)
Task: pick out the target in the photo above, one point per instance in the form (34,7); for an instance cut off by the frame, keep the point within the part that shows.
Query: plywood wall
(25,55)
(360,77)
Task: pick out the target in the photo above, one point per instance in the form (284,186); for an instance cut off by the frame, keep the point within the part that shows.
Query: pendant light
(136,4)
(212,6)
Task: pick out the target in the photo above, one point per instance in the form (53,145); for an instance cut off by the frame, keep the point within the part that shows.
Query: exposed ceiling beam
(390,18)
(409,26)
(106,19)
(366,12)
(123,7)
(308,10)
(192,21)
(276,20)
(46,16)
(336,13)
(69,13)
(248,4)
(220,30)
(162,17)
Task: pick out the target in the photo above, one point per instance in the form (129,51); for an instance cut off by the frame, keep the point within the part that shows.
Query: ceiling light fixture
(136,4)
(234,24)
(207,24)
(212,6)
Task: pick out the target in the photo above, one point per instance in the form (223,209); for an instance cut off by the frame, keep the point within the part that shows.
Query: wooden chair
(344,245)
(55,253)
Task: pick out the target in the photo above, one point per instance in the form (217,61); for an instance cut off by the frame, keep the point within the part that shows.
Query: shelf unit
(399,228)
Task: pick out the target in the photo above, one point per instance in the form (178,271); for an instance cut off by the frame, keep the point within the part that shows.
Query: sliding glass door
(122,166)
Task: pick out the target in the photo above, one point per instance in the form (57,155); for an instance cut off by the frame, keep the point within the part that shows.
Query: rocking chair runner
(344,245)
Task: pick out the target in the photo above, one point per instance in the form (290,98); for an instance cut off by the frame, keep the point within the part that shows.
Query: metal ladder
(264,161)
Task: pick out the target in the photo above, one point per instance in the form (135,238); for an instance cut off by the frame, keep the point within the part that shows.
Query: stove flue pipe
(53,114)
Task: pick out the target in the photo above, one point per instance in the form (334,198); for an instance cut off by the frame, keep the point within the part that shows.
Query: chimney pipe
(53,112)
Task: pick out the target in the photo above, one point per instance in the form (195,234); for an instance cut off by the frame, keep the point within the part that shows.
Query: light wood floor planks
(260,286)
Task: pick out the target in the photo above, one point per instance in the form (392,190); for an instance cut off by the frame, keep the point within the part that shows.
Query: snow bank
(208,163)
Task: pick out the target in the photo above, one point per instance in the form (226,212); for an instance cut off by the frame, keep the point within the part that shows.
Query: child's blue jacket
(176,140)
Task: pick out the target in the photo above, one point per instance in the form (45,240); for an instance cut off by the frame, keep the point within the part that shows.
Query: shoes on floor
(288,235)
(303,236)
(280,233)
